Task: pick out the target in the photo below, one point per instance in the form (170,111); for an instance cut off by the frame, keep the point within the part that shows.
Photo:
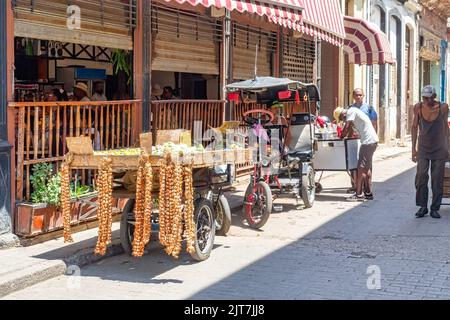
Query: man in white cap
(358,119)
(429,146)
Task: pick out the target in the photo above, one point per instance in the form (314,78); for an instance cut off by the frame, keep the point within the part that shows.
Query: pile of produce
(120,152)
(175,149)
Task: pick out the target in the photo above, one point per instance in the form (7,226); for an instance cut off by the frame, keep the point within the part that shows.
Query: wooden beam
(138,69)
(10,96)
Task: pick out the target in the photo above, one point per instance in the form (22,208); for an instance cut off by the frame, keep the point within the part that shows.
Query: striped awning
(286,13)
(324,19)
(365,43)
(321,18)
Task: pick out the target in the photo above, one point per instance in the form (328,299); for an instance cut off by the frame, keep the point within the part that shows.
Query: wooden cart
(211,209)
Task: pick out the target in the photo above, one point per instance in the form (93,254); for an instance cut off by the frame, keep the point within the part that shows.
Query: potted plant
(43,214)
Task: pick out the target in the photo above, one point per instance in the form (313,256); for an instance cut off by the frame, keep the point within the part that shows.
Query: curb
(30,276)
(47,270)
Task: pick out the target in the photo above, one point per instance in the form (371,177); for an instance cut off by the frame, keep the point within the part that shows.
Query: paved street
(336,250)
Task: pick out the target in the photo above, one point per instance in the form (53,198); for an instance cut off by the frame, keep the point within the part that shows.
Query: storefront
(366,44)
(432,54)
(185,51)
(253,44)
(55,52)
(311,53)
(54,47)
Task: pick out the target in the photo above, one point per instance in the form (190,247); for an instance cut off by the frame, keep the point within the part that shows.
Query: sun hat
(82,86)
(337,113)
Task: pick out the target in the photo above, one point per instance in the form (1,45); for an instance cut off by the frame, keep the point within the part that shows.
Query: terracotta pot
(34,219)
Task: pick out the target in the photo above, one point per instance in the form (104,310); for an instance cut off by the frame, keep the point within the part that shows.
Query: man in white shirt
(359,120)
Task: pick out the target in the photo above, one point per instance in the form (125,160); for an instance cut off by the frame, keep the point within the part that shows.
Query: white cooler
(336,155)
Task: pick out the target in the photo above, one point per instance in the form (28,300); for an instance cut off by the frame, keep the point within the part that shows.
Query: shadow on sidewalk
(332,261)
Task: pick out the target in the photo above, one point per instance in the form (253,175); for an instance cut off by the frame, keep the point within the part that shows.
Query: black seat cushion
(299,155)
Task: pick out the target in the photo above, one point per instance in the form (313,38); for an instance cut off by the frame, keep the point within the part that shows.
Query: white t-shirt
(363,126)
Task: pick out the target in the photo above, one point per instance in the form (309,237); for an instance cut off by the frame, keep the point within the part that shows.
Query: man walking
(430,119)
(355,118)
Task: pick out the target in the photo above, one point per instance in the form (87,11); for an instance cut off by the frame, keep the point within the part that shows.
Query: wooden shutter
(104,23)
(185,41)
(245,40)
(298,59)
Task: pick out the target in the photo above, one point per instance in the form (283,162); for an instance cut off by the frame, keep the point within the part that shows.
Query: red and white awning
(286,13)
(365,43)
(324,19)
(321,18)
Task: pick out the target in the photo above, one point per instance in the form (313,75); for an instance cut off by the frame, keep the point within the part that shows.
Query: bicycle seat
(300,155)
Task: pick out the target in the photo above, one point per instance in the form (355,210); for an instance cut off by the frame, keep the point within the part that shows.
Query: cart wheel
(127,227)
(206,229)
(309,188)
(223,216)
(319,187)
(257,205)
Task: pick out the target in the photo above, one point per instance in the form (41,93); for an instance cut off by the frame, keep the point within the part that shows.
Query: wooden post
(138,70)
(7,127)
(143,45)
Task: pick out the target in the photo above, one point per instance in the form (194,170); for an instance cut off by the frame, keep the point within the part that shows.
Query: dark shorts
(365,155)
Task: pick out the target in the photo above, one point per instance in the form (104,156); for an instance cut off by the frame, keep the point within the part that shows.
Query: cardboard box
(177,136)
(80,145)
(146,142)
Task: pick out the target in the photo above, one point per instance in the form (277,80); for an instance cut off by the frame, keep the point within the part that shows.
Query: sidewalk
(22,267)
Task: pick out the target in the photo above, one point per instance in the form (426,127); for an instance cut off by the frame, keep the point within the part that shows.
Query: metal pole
(318,67)
(7,239)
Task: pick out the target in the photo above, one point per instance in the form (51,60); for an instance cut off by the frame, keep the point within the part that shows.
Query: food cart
(334,154)
(165,194)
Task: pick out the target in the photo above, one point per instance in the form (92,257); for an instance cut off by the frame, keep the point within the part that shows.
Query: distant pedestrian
(355,118)
(430,128)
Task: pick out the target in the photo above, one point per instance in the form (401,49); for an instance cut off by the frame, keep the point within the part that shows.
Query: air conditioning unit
(55,49)
(51,49)
(59,49)
(42,48)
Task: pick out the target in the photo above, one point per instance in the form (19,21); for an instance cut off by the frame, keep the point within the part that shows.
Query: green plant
(79,191)
(54,190)
(122,62)
(46,186)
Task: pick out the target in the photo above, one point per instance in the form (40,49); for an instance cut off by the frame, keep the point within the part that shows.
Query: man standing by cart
(355,118)
(358,97)
(430,119)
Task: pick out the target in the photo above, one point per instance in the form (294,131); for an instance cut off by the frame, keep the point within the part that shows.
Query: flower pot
(34,219)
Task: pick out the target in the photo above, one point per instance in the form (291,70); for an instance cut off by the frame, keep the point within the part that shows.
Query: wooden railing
(42,128)
(182,114)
